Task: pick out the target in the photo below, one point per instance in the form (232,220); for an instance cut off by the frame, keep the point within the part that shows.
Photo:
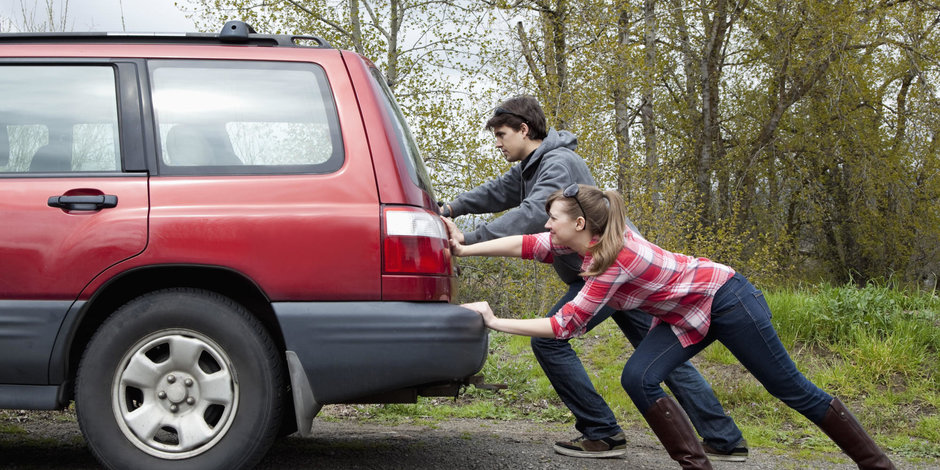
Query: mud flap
(305,407)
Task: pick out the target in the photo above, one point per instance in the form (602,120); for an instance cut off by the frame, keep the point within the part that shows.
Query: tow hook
(479,381)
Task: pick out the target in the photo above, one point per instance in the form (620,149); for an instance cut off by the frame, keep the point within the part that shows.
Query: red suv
(206,233)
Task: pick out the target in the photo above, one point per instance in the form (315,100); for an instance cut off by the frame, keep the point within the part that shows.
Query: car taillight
(415,242)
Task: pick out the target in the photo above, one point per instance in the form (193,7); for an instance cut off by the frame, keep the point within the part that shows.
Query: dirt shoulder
(52,440)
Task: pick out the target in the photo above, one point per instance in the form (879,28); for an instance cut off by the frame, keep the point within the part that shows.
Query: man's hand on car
(452,231)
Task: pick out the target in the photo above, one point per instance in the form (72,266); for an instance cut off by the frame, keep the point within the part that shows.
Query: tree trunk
(901,127)
(622,118)
(710,65)
(356,26)
(556,70)
(690,97)
(552,78)
(648,119)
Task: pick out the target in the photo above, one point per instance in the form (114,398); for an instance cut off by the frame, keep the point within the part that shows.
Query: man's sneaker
(613,446)
(737,454)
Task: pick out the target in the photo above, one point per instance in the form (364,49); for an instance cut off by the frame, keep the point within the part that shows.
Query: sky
(105,15)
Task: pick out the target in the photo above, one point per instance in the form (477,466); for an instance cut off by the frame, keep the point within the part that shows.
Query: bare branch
(322,19)
(527,53)
(375,21)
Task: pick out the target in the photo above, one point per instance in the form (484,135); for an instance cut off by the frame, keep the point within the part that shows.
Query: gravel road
(52,441)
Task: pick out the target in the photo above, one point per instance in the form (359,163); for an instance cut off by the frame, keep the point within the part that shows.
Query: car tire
(181,379)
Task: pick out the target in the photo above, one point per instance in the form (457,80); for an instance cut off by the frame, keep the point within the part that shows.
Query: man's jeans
(741,322)
(593,418)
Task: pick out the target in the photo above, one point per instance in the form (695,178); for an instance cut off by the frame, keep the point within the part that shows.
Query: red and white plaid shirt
(674,288)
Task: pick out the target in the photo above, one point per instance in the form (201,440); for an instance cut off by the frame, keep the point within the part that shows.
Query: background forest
(793,140)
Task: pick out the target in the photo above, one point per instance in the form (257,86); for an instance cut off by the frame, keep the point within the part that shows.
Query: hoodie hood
(554,140)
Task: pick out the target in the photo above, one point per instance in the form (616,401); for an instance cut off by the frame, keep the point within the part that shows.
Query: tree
(53,16)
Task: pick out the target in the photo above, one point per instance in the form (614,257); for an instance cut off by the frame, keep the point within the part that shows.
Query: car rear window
(406,142)
(234,117)
(58,119)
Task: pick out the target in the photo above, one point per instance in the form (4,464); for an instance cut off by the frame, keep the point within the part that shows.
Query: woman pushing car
(694,302)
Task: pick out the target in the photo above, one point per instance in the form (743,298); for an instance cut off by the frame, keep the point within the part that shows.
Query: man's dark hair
(519,110)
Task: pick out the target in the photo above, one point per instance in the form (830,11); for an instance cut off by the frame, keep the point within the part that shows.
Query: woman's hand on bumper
(483,308)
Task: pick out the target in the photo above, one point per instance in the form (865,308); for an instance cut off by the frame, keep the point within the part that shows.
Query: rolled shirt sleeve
(572,319)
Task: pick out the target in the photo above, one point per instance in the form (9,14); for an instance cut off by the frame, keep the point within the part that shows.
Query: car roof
(233,33)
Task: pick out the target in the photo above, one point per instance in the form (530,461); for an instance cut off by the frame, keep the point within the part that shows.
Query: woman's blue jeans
(741,322)
(593,418)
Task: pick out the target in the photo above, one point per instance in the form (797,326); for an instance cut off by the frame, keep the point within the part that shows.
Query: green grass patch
(11,429)
(719,354)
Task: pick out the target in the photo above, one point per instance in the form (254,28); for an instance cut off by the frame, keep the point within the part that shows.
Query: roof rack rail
(234,32)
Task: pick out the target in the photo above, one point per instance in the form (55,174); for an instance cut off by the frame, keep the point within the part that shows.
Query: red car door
(68,208)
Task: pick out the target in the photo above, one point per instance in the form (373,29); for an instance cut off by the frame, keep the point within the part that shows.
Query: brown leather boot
(850,436)
(672,427)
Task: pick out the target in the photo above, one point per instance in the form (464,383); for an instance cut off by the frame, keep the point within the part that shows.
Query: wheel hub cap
(176,394)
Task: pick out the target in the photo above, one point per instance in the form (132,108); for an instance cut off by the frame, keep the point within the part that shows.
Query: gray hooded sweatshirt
(523,190)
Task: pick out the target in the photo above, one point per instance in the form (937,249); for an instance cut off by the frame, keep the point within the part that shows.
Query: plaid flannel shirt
(674,288)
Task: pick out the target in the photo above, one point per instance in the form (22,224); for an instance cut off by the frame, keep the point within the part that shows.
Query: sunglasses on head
(500,110)
(572,192)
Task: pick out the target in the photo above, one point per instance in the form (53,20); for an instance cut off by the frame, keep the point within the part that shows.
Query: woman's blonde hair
(604,217)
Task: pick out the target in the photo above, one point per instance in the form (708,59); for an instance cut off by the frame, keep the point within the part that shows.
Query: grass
(12,429)
(876,348)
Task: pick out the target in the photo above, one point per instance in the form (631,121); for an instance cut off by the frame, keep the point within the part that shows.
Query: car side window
(58,119)
(233,117)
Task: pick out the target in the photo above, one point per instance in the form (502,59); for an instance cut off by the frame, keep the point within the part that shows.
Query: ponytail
(608,247)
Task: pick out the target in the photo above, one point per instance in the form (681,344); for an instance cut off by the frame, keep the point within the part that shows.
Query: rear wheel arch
(140,281)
